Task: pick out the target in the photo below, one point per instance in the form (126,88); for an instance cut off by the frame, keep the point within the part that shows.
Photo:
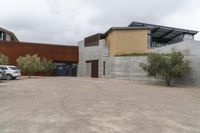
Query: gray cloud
(66,22)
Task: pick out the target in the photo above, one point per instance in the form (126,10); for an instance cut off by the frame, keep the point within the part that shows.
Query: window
(104,68)
(74,65)
(188,36)
(13,68)
(149,43)
(1,36)
(4,68)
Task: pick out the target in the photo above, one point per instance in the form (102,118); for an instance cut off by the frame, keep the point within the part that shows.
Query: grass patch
(138,54)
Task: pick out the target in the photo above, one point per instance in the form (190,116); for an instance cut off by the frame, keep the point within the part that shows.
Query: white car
(11,72)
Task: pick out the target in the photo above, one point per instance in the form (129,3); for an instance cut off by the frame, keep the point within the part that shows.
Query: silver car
(11,72)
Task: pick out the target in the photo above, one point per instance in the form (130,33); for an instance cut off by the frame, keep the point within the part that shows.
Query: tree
(30,64)
(47,65)
(3,59)
(167,67)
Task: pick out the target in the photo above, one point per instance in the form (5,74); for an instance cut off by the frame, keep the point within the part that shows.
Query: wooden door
(94,68)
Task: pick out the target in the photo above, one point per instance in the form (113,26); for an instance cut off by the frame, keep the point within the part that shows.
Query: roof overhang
(163,32)
(125,28)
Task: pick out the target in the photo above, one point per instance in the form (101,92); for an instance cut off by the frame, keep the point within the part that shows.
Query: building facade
(65,58)
(137,38)
(99,55)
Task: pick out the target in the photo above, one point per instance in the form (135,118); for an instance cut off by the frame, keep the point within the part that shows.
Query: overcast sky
(68,21)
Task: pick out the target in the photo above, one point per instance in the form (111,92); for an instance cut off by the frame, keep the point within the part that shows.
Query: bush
(30,64)
(3,59)
(47,65)
(167,67)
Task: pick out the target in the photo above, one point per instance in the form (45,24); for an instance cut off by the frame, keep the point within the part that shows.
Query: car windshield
(13,68)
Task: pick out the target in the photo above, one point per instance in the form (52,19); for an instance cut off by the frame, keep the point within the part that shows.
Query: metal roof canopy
(163,33)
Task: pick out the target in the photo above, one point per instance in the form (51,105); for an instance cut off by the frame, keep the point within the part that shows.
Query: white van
(11,72)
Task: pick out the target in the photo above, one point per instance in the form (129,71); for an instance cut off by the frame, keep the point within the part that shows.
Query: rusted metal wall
(92,40)
(54,52)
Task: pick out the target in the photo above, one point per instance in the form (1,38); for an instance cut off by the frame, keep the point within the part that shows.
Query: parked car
(11,72)
(2,74)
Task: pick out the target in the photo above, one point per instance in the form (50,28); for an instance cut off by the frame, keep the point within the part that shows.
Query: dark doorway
(65,69)
(94,68)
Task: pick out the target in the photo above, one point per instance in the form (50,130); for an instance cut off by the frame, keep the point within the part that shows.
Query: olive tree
(30,64)
(47,65)
(3,59)
(167,67)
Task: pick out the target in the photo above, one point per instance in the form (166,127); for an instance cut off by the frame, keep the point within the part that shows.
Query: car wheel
(1,76)
(8,77)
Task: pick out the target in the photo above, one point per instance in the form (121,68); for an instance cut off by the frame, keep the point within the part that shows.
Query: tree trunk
(168,81)
(29,75)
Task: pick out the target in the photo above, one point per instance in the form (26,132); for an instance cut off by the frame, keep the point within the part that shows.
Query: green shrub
(47,65)
(134,54)
(167,67)
(30,64)
(3,59)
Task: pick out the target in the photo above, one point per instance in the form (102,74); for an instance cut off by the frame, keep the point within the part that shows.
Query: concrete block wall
(126,68)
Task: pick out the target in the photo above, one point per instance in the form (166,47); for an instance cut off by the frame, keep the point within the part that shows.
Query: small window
(13,68)
(4,68)
(149,40)
(60,68)
(1,36)
(104,68)
(74,65)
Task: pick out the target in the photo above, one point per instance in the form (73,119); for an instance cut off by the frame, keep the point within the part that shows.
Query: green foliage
(135,54)
(30,64)
(47,65)
(3,59)
(167,67)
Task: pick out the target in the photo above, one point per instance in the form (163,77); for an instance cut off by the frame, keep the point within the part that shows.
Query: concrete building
(99,54)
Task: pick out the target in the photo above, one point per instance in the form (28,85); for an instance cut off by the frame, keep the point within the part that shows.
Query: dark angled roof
(163,32)
(9,33)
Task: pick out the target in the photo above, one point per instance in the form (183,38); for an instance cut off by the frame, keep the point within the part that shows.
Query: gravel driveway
(83,105)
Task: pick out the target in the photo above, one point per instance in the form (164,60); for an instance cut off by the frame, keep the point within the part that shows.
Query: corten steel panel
(92,40)
(54,52)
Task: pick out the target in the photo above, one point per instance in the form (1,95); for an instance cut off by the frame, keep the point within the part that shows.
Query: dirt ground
(83,105)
